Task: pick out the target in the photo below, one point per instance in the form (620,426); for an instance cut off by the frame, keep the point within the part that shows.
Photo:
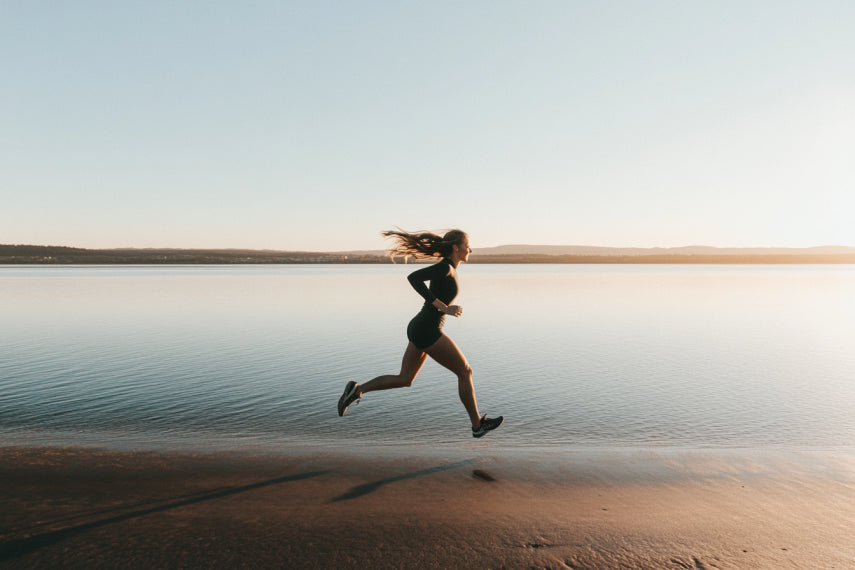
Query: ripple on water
(647,357)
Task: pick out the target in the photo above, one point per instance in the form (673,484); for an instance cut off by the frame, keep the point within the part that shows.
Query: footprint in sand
(482,475)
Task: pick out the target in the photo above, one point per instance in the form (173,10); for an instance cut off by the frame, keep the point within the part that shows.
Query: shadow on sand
(15,548)
(366,488)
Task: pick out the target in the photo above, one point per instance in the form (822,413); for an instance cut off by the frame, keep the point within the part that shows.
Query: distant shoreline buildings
(58,255)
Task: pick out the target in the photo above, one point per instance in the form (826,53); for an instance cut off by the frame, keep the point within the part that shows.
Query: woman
(425,329)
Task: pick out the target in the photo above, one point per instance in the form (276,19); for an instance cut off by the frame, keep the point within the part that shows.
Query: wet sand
(414,508)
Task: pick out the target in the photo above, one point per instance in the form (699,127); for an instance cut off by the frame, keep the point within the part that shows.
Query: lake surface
(255,357)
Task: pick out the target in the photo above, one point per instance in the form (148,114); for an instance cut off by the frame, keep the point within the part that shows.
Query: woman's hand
(453,310)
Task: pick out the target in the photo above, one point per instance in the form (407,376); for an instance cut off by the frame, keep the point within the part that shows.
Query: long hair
(423,245)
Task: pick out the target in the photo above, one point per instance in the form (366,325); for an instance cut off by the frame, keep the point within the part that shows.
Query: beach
(422,507)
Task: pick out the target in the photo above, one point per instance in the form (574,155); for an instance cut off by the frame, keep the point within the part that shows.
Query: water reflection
(600,355)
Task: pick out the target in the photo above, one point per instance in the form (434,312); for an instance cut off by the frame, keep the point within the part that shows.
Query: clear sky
(315,125)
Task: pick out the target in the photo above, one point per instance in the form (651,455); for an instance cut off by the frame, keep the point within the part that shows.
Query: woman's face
(462,250)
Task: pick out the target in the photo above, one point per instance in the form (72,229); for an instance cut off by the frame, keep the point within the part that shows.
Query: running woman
(425,329)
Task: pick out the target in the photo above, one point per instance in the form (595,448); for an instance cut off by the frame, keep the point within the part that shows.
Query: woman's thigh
(445,352)
(412,361)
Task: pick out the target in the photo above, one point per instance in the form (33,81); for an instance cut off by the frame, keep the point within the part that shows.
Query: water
(255,357)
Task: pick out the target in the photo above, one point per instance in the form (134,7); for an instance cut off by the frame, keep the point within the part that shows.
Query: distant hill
(689,254)
(37,254)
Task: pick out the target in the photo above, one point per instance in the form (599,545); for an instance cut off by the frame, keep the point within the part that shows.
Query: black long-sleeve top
(442,276)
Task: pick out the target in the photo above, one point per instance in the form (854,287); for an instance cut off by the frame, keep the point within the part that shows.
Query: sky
(315,125)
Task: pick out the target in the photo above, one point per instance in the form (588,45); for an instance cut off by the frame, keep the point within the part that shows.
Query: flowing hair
(423,245)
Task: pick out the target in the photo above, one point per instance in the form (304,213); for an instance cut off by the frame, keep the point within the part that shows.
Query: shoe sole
(348,392)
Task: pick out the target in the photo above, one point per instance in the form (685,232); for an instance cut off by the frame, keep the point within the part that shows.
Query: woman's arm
(418,278)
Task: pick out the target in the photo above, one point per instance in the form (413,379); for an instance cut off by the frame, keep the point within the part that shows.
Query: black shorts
(425,328)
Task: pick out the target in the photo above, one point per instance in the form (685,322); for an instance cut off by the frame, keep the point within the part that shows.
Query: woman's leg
(412,362)
(446,353)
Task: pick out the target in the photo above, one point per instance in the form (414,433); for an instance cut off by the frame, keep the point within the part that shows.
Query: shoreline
(61,255)
(434,508)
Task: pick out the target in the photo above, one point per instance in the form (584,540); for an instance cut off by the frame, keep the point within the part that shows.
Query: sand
(470,507)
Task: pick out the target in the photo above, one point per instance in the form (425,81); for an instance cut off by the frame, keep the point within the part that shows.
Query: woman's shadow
(15,548)
(366,488)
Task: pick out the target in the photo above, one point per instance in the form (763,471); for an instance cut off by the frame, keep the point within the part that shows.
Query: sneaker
(487,424)
(348,398)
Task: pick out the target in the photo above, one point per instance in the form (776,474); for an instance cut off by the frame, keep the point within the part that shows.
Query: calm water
(257,356)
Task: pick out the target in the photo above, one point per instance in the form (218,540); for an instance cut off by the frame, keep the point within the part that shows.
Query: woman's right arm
(418,278)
